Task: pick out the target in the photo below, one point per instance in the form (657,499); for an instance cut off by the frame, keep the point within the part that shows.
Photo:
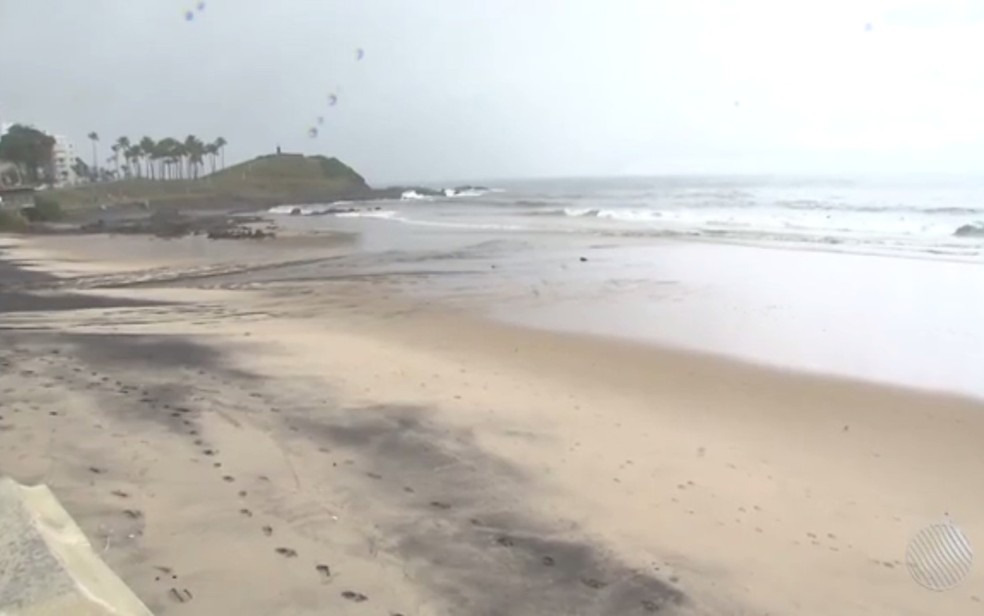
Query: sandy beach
(284,444)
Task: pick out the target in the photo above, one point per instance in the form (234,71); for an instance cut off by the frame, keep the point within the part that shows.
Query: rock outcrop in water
(973,230)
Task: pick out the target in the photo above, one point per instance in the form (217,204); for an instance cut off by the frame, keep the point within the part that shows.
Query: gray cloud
(514,88)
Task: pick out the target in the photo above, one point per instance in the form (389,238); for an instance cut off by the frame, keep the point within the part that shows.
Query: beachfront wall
(16,198)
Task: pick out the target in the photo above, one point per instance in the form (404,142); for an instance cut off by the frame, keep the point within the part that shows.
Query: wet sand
(305,446)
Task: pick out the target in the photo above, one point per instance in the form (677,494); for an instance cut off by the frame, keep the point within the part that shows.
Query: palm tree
(195,150)
(133,155)
(189,146)
(171,152)
(147,146)
(157,154)
(81,169)
(180,153)
(211,150)
(119,147)
(220,145)
(112,174)
(115,158)
(94,138)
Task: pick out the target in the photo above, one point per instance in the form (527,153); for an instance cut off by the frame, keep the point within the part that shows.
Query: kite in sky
(312,132)
(189,15)
(359,54)
(201,6)
(332,99)
(321,120)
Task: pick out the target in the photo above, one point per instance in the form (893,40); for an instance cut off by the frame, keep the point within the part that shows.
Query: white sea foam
(460,225)
(302,210)
(470,192)
(413,195)
(622,214)
(385,214)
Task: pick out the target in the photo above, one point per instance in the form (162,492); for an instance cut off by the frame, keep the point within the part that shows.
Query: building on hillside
(4,126)
(62,157)
(62,161)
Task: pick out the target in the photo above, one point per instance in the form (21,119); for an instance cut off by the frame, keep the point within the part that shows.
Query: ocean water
(914,217)
(863,279)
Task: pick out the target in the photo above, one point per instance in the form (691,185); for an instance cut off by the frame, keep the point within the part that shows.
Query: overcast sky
(513,88)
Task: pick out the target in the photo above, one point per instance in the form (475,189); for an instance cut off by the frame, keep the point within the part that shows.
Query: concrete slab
(48,567)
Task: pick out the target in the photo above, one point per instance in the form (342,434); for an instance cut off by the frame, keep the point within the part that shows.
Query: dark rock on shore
(974,230)
(239,233)
(174,223)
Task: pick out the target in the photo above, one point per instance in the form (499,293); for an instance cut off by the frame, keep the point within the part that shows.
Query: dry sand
(312,448)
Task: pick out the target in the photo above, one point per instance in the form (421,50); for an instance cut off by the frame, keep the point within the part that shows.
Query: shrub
(12,221)
(46,209)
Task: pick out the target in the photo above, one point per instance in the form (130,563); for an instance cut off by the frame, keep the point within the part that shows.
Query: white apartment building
(62,159)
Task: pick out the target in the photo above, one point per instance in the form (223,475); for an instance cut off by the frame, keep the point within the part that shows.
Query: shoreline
(645,477)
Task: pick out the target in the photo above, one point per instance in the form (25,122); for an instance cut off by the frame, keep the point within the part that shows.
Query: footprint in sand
(228,478)
(120,493)
(324,570)
(166,571)
(268,530)
(286,552)
(593,583)
(357,597)
(246,512)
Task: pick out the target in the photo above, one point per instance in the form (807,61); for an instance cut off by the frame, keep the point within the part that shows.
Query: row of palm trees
(167,159)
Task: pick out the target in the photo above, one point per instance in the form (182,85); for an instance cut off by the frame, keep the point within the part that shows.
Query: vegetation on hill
(164,159)
(267,180)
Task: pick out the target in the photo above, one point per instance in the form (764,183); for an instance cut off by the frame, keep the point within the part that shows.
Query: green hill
(263,181)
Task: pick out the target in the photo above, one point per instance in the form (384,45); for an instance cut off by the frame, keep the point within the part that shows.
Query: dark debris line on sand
(494,559)
(18,288)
